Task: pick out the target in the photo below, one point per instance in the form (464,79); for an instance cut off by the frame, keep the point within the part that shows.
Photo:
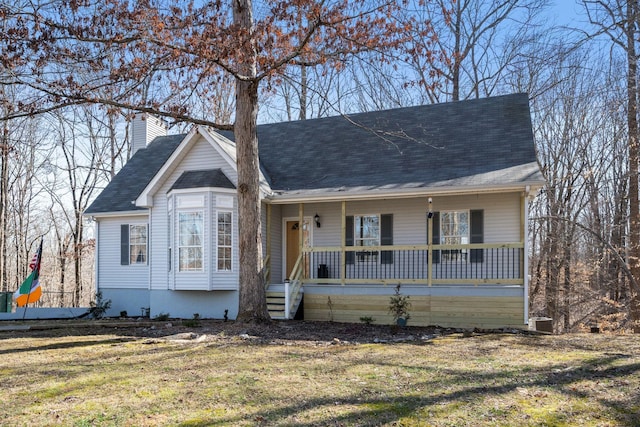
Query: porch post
(301,236)
(430,251)
(301,226)
(287,299)
(343,242)
(268,266)
(525,251)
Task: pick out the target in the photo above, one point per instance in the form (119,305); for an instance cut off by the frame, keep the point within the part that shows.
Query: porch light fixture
(317,220)
(430,214)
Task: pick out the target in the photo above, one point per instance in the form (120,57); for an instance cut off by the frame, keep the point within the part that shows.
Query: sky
(567,12)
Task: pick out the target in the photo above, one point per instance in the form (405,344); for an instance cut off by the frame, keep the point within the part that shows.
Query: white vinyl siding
(501,216)
(276,241)
(111,273)
(201,156)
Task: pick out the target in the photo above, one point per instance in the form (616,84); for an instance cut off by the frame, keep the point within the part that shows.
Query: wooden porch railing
(470,264)
(293,287)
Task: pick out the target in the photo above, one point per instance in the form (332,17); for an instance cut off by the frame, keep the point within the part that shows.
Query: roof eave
(97,215)
(335,195)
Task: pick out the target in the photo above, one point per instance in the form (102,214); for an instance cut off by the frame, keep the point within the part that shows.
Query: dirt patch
(280,332)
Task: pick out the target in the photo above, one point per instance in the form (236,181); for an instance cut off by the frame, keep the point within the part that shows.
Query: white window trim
(376,258)
(146,260)
(202,241)
(217,246)
(464,259)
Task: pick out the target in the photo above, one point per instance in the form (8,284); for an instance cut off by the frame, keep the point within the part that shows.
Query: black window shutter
(386,237)
(348,240)
(124,244)
(435,239)
(477,234)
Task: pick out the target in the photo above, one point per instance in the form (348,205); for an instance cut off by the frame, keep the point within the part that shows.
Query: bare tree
(176,49)
(84,143)
(619,19)
(476,43)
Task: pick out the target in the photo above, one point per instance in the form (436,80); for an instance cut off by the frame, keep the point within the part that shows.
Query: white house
(434,198)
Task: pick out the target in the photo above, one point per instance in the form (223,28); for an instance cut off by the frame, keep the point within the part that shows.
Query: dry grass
(224,378)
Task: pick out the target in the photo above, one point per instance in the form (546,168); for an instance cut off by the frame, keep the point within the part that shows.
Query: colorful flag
(30,290)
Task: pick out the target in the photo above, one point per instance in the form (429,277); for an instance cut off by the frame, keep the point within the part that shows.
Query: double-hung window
(366,234)
(454,230)
(225,238)
(133,244)
(190,241)
(138,244)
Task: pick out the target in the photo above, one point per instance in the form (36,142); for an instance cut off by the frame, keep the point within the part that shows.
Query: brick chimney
(144,128)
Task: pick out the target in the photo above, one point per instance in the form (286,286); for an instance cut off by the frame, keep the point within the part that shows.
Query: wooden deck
(426,310)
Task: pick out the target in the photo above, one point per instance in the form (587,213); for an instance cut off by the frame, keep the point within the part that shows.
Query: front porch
(468,261)
(449,284)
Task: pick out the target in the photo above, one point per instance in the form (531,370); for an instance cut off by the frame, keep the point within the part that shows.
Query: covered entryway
(292,244)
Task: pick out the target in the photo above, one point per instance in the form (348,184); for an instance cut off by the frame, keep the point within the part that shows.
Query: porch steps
(275,304)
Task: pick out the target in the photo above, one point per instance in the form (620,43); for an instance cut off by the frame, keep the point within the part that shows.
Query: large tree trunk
(4,184)
(632,122)
(77,258)
(253,304)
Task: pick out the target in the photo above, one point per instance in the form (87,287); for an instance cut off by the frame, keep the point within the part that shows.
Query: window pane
(190,229)
(138,244)
(366,233)
(190,259)
(454,230)
(225,239)
(190,238)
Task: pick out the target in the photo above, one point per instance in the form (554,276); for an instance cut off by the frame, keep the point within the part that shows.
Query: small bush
(99,307)
(192,323)
(162,317)
(399,306)
(367,320)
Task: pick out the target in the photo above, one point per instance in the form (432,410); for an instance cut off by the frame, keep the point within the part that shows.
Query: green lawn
(223,379)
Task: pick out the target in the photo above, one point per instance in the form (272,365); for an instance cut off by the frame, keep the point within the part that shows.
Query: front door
(293,244)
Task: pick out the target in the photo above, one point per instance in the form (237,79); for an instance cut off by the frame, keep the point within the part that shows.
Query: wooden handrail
(295,284)
(515,245)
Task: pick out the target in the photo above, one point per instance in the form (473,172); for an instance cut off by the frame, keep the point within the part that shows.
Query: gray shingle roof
(432,145)
(202,178)
(127,185)
(480,142)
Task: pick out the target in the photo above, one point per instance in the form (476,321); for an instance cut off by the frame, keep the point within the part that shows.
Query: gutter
(376,194)
(98,215)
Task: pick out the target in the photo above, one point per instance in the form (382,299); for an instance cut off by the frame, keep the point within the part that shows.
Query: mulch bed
(274,332)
